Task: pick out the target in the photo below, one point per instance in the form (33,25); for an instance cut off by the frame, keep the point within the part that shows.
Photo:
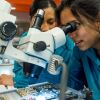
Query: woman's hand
(6,80)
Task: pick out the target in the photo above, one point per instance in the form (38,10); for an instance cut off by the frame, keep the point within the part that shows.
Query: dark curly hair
(87,8)
(41,4)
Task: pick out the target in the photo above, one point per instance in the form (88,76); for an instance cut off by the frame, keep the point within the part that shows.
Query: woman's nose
(72,35)
(44,27)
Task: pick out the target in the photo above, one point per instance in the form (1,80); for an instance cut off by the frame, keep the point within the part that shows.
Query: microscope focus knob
(39,46)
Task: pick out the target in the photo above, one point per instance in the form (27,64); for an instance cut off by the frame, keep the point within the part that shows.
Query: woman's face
(49,19)
(85,35)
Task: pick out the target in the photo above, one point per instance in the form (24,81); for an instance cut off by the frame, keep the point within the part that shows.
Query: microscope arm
(18,55)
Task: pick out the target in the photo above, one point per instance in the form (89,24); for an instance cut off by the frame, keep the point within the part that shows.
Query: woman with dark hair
(49,7)
(84,66)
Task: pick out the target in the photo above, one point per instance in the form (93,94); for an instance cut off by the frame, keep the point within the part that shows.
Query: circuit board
(45,91)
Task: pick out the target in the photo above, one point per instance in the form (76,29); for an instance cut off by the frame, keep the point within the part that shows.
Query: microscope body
(5,16)
(7,32)
(52,39)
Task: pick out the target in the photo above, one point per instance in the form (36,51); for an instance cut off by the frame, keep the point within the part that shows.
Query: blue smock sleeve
(76,76)
(66,50)
(20,80)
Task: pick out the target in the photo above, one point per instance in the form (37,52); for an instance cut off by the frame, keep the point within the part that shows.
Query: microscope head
(5,9)
(7,21)
(5,6)
(7,25)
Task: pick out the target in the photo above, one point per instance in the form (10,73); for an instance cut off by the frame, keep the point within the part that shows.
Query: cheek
(90,42)
(81,33)
(92,35)
(91,39)
(95,37)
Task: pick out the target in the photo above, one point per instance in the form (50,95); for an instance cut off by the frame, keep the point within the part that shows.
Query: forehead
(49,13)
(66,16)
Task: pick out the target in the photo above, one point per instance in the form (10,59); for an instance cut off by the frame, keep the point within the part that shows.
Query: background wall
(23,5)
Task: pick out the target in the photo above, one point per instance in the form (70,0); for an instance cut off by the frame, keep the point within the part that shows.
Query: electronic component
(45,91)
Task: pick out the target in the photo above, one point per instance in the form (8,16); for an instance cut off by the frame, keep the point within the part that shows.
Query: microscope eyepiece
(38,19)
(69,28)
(7,31)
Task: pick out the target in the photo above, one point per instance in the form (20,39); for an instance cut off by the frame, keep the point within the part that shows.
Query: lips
(78,43)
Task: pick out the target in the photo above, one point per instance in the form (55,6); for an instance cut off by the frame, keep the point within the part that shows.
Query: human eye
(51,21)
(77,25)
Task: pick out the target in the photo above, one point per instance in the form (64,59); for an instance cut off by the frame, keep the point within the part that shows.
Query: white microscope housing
(52,39)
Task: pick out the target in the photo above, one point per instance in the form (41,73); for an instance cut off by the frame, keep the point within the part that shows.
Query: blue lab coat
(85,65)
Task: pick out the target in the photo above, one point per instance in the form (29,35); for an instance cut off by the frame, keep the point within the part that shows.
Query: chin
(83,48)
